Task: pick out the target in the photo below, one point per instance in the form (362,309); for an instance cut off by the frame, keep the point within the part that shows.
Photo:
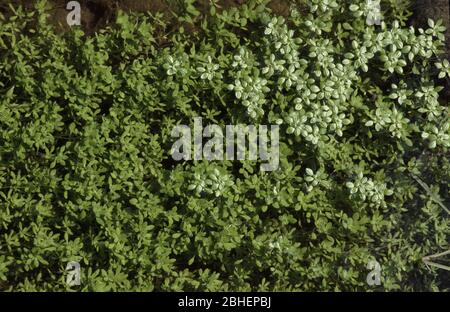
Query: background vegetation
(86,175)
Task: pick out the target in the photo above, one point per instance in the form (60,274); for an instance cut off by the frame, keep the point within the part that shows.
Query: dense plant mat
(86,173)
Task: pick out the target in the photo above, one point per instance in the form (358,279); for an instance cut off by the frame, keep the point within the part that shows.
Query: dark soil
(435,9)
(97,13)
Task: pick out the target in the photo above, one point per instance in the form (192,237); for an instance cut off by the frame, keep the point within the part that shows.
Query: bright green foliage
(86,174)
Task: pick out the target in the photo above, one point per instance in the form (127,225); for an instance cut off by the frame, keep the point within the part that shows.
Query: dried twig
(428,262)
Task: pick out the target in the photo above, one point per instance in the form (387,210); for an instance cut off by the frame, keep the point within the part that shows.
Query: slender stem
(427,189)
(437,255)
(427,261)
(437,265)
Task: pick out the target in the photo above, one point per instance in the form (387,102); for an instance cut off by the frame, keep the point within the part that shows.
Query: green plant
(86,174)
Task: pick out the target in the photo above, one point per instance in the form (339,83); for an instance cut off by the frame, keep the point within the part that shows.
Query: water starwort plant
(86,173)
